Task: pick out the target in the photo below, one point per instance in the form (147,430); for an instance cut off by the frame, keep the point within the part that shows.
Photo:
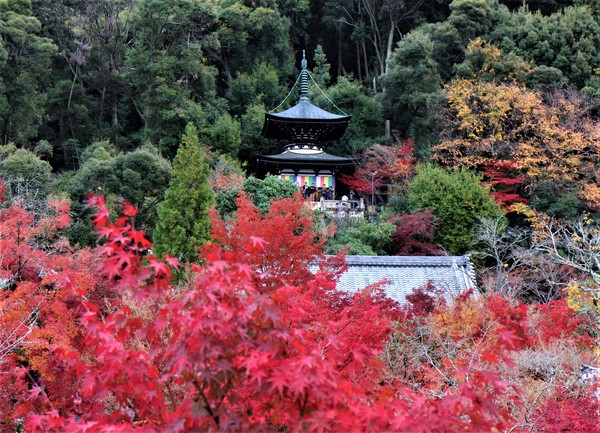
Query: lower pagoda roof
(320,159)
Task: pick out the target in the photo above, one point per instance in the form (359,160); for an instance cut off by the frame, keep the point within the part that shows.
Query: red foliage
(253,341)
(42,280)
(414,234)
(233,353)
(222,354)
(555,320)
(393,164)
(284,236)
(569,413)
(424,300)
(506,180)
(513,330)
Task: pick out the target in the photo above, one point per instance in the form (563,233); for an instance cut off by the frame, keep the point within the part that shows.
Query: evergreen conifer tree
(183,221)
(321,69)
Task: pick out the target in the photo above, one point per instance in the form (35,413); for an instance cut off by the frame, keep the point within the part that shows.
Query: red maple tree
(393,165)
(245,343)
(506,180)
(414,234)
(42,279)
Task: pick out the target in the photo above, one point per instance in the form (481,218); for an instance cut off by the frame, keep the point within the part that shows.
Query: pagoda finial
(304,78)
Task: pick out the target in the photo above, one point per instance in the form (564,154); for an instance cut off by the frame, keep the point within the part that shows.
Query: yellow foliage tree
(549,137)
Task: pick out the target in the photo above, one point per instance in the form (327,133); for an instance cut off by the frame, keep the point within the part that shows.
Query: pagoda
(305,127)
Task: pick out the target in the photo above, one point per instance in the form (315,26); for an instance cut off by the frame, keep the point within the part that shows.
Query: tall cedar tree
(183,221)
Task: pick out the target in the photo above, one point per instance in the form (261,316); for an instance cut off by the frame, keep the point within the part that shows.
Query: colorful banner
(316,181)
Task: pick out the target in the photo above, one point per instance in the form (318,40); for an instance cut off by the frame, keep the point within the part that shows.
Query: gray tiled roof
(451,274)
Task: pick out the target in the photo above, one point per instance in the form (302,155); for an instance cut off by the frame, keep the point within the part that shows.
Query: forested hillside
(470,82)
(189,303)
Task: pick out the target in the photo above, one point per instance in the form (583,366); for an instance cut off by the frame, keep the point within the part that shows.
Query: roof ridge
(395,260)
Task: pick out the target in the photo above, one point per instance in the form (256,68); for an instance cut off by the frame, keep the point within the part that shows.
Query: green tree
(140,177)
(166,68)
(261,85)
(95,173)
(473,18)
(250,33)
(592,86)
(241,93)
(545,78)
(556,200)
(263,191)
(24,174)
(366,126)
(76,107)
(25,61)
(412,86)
(253,143)
(365,239)
(592,5)
(320,71)
(96,85)
(458,199)
(224,135)
(567,40)
(183,222)
(448,48)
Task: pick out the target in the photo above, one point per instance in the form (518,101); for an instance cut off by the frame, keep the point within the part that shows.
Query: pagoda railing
(340,208)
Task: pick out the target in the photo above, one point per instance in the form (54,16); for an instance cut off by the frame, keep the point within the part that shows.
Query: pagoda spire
(304,79)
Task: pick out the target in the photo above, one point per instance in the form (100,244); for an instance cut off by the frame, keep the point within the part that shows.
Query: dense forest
(191,302)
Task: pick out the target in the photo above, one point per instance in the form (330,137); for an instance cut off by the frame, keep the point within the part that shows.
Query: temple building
(305,128)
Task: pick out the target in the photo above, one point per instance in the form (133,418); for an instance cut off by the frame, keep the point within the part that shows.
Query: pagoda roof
(305,110)
(325,128)
(311,159)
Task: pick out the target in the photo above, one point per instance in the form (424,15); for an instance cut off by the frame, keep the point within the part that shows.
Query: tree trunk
(390,44)
(358,61)
(6,128)
(115,120)
(365,59)
(339,68)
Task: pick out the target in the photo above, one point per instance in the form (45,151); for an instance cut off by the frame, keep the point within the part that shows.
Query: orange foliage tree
(549,138)
(42,280)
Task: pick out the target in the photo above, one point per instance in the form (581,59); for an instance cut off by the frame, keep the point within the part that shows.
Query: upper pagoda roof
(305,122)
(305,110)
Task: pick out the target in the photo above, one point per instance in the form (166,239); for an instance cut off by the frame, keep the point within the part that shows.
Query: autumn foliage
(414,234)
(507,182)
(42,281)
(257,338)
(533,137)
(393,164)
